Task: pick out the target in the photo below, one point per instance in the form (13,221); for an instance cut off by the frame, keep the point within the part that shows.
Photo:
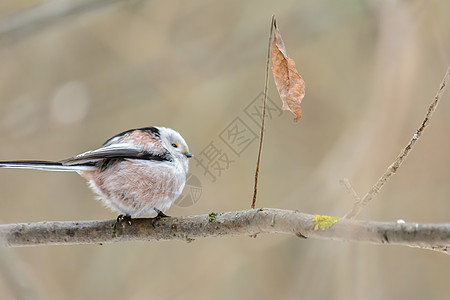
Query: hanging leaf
(290,84)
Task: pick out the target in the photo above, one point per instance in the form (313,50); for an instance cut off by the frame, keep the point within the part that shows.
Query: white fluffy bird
(137,172)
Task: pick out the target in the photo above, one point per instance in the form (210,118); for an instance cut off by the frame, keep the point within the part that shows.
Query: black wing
(116,151)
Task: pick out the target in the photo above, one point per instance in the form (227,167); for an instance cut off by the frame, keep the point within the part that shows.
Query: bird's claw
(159,216)
(124,218)
(120,221)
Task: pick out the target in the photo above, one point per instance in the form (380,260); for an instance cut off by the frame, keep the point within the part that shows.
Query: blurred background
(74,73)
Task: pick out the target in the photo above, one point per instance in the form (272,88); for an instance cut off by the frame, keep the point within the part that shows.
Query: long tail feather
(43,165)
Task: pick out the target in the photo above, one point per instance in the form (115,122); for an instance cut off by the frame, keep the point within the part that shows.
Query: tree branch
(29,21)
(392,169)
(246,222)
(263,117)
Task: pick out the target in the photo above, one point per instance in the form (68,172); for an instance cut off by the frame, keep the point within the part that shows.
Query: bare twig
(246,222)
(346,183)
(392,169)
(266,87)
(29,21)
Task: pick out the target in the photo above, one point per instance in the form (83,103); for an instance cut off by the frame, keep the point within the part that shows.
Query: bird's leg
(159,216)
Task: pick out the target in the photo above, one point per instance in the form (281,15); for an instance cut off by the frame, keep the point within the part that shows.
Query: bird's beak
(188,155)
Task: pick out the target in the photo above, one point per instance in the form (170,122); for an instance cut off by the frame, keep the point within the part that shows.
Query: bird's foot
(121,220)
(124,218)
(159,216)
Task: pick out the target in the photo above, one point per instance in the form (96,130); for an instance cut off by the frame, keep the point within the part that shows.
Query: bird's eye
(175,145)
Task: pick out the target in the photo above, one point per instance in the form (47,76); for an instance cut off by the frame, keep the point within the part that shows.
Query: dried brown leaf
(290,84)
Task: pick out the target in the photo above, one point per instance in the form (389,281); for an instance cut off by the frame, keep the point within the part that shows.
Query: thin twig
(16,26)
(392,169)
(247,222)
(266,87)
(346,183)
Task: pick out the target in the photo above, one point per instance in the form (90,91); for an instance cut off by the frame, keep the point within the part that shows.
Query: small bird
(136,172)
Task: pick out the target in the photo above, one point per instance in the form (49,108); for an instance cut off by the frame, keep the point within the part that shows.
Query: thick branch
(246,222)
